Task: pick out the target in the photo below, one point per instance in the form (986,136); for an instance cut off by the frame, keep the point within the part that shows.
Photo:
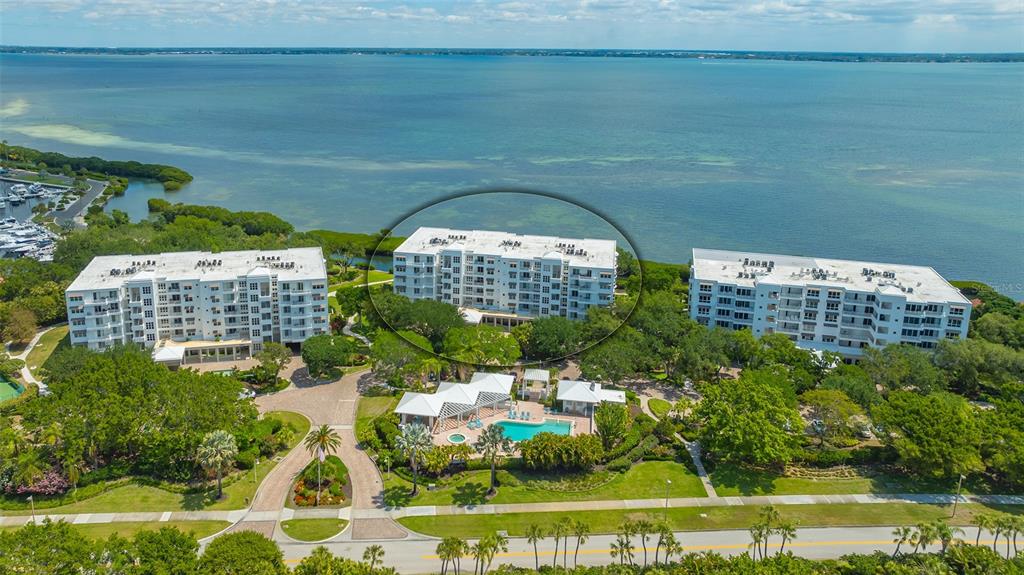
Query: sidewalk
(566,506)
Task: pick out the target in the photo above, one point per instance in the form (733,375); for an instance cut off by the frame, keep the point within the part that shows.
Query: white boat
(3,204)
(19,189)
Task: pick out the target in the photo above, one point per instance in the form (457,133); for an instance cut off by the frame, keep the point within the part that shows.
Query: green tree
(433,319)
(242,553)
(834,410)
(216,454)
(400,352)
(535,534)
(413,442)
(552,338)
(321,562)
(1000,328)
(851,380)
(320,443)
(902,367)
(935,435)
(492,444)
(273,358)
(166,551)
(615,358)
(323,353)
(612,423)
(748,421)
(20,324)
(901,536)
(481,345)
(373,555)
(582,532)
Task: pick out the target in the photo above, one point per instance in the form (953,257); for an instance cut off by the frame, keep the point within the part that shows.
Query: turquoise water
(521,430)
(456,438)
(916,163)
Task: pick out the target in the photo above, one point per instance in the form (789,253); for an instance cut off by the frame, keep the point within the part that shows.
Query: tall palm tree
(1018,528)
(491,444)
(996,528)
(665,536)
(901,535)
(568,528)
(945,534)
(444,553)
(72,464)
(769,518)
(758,535)
(535,534)
(373,555)
(786,529)
(413,442)
(321,442)
(923,536)
(450,550)
(1007,525)
(623,549)
(582,532)
(558,531)
(643,528)
(479,552)
(217,453)
(673,547)
(983,522)
(496,543)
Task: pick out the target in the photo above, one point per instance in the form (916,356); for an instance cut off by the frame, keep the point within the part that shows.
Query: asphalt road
(417,555)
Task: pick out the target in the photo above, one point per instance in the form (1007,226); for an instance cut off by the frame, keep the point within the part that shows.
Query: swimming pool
(521,430)
(456,438)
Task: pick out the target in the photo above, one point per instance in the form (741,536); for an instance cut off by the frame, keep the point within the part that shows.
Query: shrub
(246,459)
(549,451)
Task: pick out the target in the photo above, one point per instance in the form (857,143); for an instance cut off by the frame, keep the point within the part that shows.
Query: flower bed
(335,487)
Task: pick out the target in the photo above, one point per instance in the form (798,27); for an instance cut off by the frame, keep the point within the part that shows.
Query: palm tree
(431,365)
(945,534)
(582,532)
(996,528)
(445,552)
(479,552)
(643,528)
(623,549)
(319,443)
(72,464)
(758,535)
(558,531)
(1007,525)
(984,522)
(413,441)
(787,529)
(901,535)
(1018,528)
(497,543)
(491,444)
(665,536)
(29,467)
(769,517)
(923,536)
(535,534)
(672,547)
(568,528)
(373,555)
(217,453)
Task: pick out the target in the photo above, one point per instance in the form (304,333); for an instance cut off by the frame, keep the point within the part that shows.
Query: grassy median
(313,529)
(702,518)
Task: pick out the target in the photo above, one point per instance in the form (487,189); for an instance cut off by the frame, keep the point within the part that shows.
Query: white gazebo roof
(587,392)
(454,398)
(541,375)
(169,353)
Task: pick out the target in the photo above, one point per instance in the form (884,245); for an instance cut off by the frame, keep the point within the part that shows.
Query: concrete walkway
(692,447)
(26,374)
(347,330)
(373,513)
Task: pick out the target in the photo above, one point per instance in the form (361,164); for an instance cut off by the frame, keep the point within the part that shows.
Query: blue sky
(822,25)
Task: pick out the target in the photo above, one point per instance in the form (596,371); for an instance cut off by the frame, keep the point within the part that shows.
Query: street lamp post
(257,464)
(32,502)
(959,484)
(668,484)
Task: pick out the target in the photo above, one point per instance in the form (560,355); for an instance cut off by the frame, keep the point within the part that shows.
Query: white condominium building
(200,305)
(823,304)
(505,276)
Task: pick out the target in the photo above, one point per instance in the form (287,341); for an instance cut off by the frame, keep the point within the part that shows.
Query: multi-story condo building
(504,278)
(200,306)
(823,304)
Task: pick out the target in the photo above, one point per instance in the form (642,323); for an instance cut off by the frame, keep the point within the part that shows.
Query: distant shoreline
(853,57)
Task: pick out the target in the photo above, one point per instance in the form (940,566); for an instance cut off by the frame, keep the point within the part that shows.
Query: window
(147,290)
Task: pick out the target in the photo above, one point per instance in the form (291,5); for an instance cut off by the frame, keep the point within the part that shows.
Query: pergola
(454,401)
(532,376)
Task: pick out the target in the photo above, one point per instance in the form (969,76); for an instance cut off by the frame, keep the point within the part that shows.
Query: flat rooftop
(112,271)
(583,252)
(917,283)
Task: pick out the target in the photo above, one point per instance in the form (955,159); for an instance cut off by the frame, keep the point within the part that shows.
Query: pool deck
(537,415)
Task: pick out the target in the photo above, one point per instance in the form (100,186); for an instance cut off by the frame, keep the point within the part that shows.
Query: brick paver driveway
(330,403)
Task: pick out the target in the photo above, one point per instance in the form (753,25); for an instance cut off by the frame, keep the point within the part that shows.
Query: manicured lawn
(313,529)
(730,480)
(643,481)
(133,497)
(129,528)
(659,407)
(45,348)
(371,407)
(362,278)
(690,519)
